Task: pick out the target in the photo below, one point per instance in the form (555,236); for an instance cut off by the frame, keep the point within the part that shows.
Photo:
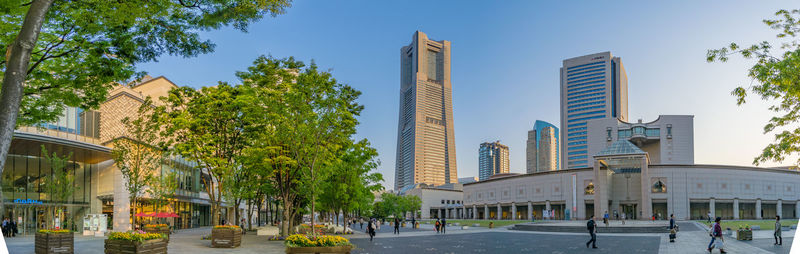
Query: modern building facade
(543,148)
(492,159)
(646,171)
(592,87)
(426,151)
(667,140)
(89,136)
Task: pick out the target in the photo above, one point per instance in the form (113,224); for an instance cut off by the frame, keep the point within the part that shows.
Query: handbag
(720,244)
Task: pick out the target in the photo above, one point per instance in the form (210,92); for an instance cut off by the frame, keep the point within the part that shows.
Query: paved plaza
(692,239)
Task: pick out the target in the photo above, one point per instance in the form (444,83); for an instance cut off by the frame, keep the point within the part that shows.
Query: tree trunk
(18,57)
(249,215)
(286,217)
(258,212)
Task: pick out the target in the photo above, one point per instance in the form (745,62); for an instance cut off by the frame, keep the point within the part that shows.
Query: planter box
(744,235)
(155,246)
(159,230)
(54,243)
(226,238)
(332,249)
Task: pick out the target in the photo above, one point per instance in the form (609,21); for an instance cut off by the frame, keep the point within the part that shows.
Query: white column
(439,213)
(474,212)
(485,211)
(447,212)
(797,209)
(712,208)
(779,208)
(735,208)
(758,209)
(513,211)
(499,211)
(547,205)
(530,211)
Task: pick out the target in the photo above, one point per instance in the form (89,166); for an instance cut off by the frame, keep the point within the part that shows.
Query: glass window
(624,134)
(653,132)
(638,130)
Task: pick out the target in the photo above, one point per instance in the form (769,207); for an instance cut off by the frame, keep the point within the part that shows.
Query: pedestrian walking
(371,229)
(5,227)
(14,229)
(709,217)
(362,223)
(444,225)
(592,227)
(623,218)
(777,233)
(437,225)
(413,223)
(717,240)
(396,225)
(605,218)
(673,230)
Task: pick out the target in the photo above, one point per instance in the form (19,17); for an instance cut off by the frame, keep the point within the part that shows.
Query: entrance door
(630,211)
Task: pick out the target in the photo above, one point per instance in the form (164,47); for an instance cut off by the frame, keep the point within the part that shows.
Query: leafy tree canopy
(775,77)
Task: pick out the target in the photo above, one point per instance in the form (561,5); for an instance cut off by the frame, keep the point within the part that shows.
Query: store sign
(27,201)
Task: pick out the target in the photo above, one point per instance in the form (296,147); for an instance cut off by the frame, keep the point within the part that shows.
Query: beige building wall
(425,137)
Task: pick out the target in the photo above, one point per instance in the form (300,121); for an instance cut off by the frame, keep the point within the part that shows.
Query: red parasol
(145,214)
(166,215)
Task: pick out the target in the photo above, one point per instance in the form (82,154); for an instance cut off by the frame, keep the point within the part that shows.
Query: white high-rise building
(426,151)
(592,87)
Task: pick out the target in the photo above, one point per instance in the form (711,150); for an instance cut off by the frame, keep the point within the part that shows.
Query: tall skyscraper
(543,151)
(492,159)
(426,150)
(592,87)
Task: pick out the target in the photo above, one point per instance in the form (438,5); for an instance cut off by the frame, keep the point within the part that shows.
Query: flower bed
(318,229)
(744,233)
(54,241)
(157,228)
(135,242)
(298,243)
(226,237)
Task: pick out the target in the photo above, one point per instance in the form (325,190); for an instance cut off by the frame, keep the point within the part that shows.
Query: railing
(59,134)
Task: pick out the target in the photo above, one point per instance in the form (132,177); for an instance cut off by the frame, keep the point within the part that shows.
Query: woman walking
(717,239)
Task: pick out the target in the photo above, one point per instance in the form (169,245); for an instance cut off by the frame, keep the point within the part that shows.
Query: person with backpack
(777,233)
(605,218)
(716,236)
(371,229)
(592,227)
(436,225)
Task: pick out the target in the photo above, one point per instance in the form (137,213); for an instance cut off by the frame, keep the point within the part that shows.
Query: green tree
(137,154)
(350,180)
(68,53)
(205,126)
(161,188)
(59,184)
(775,77)
(312,116)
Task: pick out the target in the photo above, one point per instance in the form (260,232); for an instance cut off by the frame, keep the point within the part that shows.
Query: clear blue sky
(505,61)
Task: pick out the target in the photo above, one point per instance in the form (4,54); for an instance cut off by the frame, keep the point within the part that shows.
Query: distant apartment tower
(426,151)
(592,87)
(492,159)
(543,151)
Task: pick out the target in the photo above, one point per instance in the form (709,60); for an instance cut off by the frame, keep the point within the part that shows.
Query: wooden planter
(226,237)
(332,249)
(159,230)
(54,243)
(744,235)
(155,246)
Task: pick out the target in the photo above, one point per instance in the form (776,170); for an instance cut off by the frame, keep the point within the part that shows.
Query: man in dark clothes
(14,229)
(396,225)
(371,229)
(592,227)
(413,222)
(444,225)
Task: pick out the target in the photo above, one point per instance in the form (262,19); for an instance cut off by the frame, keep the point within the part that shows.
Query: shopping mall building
(644,170)
(89,136)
